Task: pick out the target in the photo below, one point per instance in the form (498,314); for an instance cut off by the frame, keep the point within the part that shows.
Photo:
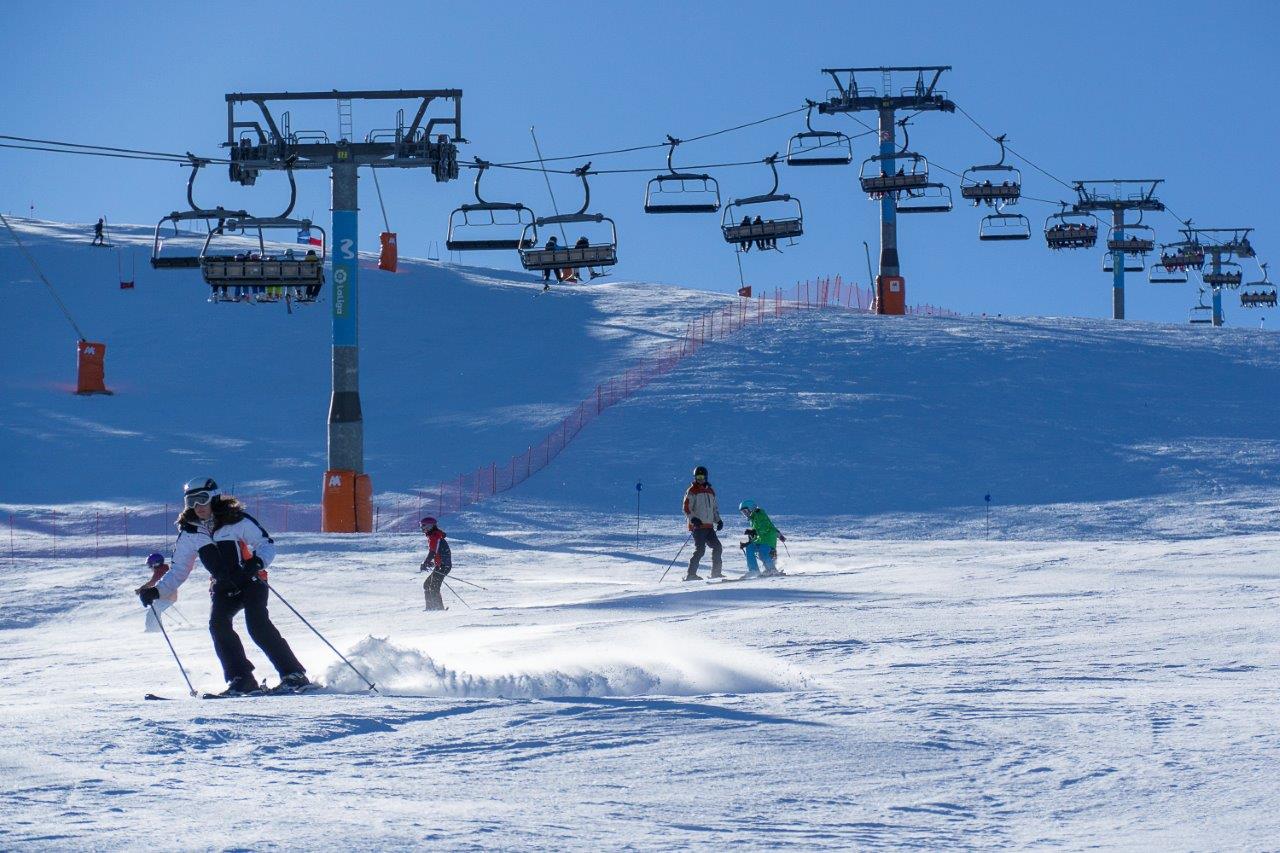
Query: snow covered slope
(908,685)
(904,423)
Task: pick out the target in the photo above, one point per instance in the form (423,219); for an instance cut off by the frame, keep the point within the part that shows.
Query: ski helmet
(154,560)
(748,506)
(428,522)
(200,491)
(700,471)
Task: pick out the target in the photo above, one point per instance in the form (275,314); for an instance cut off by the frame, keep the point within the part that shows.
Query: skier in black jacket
(236,550)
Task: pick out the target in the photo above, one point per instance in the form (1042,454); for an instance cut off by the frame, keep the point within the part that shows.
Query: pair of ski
(279,690)
(745,578)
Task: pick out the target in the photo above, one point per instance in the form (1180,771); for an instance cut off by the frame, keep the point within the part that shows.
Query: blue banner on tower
(345,270)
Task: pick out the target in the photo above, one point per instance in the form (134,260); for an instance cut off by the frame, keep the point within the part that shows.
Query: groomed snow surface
(1101,672)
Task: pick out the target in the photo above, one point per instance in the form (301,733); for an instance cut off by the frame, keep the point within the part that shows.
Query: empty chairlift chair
(238,264)
(181,249)
(763,219)
(1201,314)
(819,147)
(995,184)
(681,192)
(1004,226)
(598,251)
(489,226)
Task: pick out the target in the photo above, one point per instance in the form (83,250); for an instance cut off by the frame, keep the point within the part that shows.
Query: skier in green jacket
(762,540)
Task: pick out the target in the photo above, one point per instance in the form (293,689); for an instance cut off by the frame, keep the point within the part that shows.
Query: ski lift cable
(182,162)
(634,148)
(1013,151)
(554,205)
(164,154)
(386,225)
(39,272)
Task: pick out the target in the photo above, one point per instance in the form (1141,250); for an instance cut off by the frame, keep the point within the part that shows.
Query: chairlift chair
(1162,274)
(926,198)
(596,253)
(1071,229)
(1004,226)
(1201,313)
(913,174)
(819,147)
(163,255)
(488,225)
(681,192)
(1132,263)
(1185,254)
(1229,274)
(786,221)
(994,184)
(239,276)
(1131,239)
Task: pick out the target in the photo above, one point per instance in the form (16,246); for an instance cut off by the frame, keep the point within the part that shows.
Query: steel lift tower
(1220,246)
(261,142)
(1120,195)
(922,96)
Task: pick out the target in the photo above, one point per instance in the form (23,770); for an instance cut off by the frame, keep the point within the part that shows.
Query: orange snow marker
(91,370)
(338,506)
(891,295)
(364,503)
(389,256)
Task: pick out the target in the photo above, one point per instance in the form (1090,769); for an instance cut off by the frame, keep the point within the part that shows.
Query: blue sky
(1170,90)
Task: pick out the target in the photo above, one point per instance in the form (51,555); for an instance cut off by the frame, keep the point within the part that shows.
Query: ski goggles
(700,478)
(199,499)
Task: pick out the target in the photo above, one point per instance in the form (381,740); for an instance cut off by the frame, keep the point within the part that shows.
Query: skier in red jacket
(439,561)
(702,512)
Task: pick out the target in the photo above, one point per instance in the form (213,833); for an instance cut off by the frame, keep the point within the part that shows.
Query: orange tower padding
(364,503)
(389,256)
(91,359)
(745,291)
(338,504)
(891,294)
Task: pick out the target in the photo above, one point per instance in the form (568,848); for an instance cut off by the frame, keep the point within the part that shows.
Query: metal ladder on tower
(344,119)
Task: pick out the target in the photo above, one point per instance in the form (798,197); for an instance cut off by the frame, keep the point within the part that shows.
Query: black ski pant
(226,642)
(702,537)
(431,589)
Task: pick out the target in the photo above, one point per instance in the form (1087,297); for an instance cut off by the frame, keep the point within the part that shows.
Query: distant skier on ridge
(97,232)
(702,512)
(236,550)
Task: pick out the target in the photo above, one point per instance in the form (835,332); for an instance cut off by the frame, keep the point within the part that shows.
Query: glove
(719,524)
(749,533)
(249,571)
(695,521)
(148,595)
(781,538)
(742,546)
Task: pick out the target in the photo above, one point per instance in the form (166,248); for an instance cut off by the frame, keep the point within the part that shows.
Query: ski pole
(181,668)
(321,636)
(455,592)
(677,556)
(469,583)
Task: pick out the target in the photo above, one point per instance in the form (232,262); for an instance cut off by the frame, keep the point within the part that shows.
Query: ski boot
(242,685)
(693,575)
(716,574)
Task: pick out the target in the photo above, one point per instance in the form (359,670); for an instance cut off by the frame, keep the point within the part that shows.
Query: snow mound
(658,665)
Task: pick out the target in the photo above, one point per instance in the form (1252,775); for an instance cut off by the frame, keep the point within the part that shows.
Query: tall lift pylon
(260,142)
(1119,195)
(922,95)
